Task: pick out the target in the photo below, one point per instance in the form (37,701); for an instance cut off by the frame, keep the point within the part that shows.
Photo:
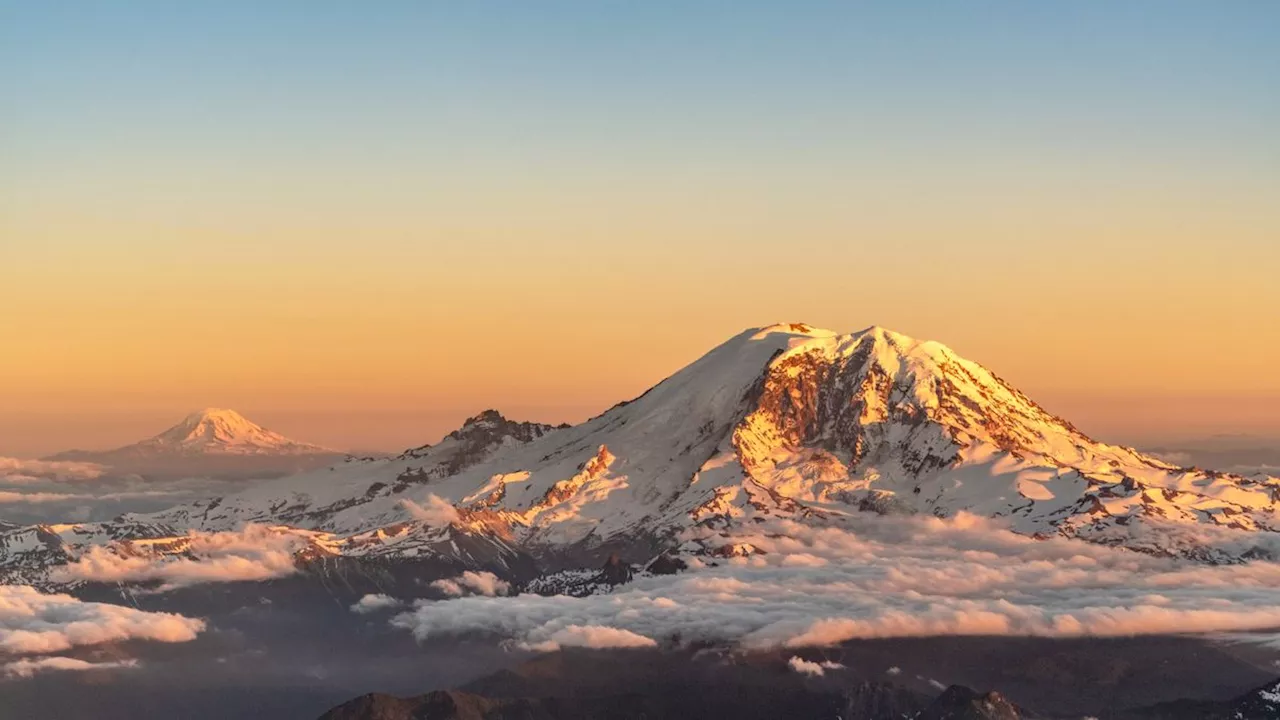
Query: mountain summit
(211,441)
(220,431)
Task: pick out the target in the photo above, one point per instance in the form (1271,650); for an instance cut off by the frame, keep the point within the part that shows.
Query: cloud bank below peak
(32,622)
(873,577)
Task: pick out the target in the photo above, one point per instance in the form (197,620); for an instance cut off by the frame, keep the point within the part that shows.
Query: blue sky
(219,187)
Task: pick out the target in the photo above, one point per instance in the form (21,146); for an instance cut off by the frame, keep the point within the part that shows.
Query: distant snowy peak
(213,424)
(212,432)
(220,431)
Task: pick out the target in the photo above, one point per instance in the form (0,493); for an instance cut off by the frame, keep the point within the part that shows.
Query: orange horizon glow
(428,390)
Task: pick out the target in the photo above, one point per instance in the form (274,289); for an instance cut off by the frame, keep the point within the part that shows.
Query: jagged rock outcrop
(615,571)
(666,564)
(874,700)
(961,703)
(867,701)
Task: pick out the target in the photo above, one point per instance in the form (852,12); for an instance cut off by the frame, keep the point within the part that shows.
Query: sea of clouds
(868,576)
(45,491)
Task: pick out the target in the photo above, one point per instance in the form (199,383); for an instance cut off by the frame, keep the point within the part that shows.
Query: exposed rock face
(479,436)
(882,700)
(1263,702)
(867,701)
(666,564)
(615,571)
(880,394)
(961,703)
(439,705)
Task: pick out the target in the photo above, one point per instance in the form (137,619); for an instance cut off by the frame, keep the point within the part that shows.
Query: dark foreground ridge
(868,701)
(710,683)
(1261,703)
(556,688)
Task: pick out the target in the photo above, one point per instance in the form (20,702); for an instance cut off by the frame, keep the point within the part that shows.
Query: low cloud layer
(254,553)
(17,471)
(869,576)
(27,667)
(373,603)
(43,491)
(591,636)
(813,669)
(32,622)
(473,583)
(8,497)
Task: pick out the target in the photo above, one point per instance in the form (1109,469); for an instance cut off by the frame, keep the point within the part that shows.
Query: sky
(360,223)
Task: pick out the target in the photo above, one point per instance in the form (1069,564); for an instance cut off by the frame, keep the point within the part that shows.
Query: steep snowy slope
(559,487)
(784,421)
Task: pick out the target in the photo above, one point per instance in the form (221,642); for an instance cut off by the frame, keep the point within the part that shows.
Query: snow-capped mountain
(786,421)
(212,431)
(213,439)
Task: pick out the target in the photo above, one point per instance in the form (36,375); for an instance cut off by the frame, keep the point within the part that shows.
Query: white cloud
(73,494)
(373,603)
(890,577)
(1174,457)
(1263,469)
(479,583)
(17,471)
(895,670)
(254,553)
(10,497)
(814,669)
(591,636)
(35,622)
(26,667)
(433,511)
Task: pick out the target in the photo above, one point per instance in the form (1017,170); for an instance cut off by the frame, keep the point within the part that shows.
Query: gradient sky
(360,222)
